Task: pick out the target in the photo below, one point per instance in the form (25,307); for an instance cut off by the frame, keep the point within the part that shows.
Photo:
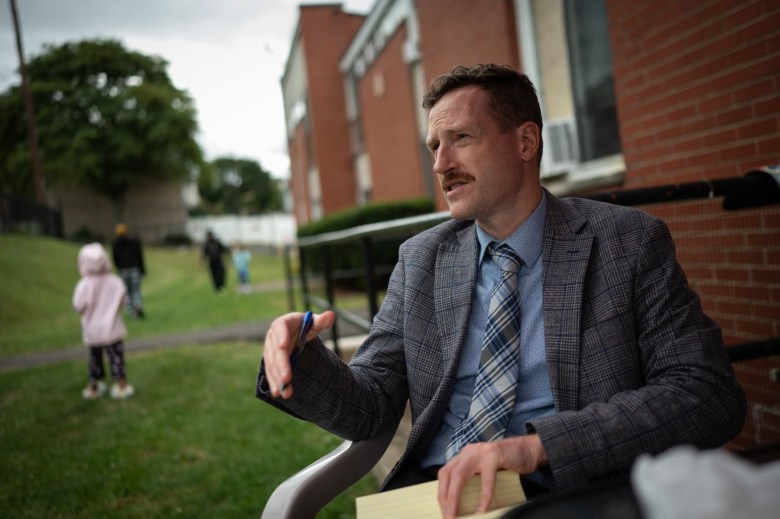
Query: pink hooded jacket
(98,297)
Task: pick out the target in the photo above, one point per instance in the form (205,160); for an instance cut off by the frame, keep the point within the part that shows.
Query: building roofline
(364,34)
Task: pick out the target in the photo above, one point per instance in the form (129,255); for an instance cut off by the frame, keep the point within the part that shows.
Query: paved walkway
(237,332)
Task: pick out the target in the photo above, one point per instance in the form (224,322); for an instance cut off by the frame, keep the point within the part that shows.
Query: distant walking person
(129,261)
(98,297)
(241,259)
(213,250)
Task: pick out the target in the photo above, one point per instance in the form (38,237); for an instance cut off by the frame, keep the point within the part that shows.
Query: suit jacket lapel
(456,275)
(565,253)
(454,283)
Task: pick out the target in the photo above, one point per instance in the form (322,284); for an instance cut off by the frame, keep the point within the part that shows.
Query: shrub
(174,240)
(348,259)
(369,213)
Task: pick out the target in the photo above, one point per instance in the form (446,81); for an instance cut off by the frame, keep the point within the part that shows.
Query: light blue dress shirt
(534,394)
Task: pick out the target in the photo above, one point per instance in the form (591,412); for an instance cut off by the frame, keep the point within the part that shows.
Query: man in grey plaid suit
(617,357)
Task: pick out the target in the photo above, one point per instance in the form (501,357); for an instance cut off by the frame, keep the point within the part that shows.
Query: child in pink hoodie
(99,297)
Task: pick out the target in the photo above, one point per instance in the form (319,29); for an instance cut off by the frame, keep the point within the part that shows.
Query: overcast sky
(227,54)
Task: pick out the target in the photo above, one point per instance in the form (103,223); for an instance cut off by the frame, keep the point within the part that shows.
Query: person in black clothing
(213,250)
(128,256)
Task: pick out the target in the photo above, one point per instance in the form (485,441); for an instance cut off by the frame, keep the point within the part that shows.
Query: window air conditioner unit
(560,147)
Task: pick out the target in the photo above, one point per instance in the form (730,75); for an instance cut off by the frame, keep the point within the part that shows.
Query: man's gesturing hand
(280,341)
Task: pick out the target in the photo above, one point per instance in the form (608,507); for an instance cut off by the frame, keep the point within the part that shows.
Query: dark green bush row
(369,213)
(346,257)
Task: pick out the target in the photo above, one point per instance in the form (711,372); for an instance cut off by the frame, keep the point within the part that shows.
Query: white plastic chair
(305,493)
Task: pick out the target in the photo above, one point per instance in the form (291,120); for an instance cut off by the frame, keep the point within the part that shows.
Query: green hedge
(369,213)
(348,256)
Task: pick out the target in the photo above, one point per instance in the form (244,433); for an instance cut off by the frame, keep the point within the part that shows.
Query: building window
(566,53)
(315,194)
(592,83)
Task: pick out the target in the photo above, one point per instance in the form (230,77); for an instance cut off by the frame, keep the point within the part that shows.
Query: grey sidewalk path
(250,332)
(236,332)
(254,331)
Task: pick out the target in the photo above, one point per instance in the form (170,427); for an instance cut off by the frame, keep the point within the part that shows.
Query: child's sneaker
(122,393)
(91,393)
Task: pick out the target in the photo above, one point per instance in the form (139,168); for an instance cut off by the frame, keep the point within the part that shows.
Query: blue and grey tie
(495,386)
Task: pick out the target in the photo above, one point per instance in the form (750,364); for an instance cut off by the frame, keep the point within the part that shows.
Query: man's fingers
(276,353)
(321,322)
(487,490)
(280,341)
(444,480)
(451,483)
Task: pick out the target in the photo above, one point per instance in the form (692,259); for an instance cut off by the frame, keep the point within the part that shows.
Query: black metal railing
(366,236)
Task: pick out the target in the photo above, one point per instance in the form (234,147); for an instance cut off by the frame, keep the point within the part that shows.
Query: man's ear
(529,138)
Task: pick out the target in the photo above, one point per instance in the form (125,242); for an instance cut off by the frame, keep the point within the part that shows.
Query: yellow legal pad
(420,501)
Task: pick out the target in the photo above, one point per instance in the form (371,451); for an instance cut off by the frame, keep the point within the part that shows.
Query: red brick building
(633,94)
(698,92)
(322,180)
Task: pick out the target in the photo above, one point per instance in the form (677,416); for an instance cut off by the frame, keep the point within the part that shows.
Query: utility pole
(29,112)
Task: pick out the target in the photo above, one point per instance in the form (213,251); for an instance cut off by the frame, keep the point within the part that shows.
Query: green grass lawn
(193,442)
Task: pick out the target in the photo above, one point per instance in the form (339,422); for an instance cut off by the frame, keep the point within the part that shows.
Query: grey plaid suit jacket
(635,366)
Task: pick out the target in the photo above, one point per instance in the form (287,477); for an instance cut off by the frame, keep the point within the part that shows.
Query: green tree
(108,119)
(238,186)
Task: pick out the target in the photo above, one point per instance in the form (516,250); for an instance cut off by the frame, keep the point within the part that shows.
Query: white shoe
(122,393)
(90,393)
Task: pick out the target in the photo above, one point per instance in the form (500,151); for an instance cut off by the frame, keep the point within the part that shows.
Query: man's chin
(460,213)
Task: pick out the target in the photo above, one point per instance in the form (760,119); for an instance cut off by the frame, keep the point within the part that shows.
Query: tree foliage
(238,186)
(107,118)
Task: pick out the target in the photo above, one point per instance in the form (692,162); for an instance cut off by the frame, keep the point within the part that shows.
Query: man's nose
(444,160)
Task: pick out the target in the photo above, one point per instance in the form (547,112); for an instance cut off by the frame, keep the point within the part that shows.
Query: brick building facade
(634,94)
(320,158)
(697,86)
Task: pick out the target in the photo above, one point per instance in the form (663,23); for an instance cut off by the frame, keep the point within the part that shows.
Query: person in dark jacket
(213,251)
(128,256)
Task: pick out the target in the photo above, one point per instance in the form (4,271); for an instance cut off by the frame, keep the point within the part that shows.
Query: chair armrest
(302,495)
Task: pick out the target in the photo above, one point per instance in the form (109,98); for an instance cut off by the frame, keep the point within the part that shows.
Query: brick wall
(299,165)
(389,127)
(697,87)
(465,32)
(326,32)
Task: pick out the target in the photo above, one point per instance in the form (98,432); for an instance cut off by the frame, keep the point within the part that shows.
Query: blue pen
(308,320)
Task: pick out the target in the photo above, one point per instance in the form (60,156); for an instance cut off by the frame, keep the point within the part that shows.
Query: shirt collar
(526,240)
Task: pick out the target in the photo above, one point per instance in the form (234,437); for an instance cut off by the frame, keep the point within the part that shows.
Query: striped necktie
(496,383)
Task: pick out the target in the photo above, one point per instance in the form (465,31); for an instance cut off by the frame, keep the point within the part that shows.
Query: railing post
(330,294)
(288,275)
(304,283)
(368,259)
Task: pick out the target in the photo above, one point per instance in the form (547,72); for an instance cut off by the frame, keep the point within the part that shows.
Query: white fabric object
(688,483)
